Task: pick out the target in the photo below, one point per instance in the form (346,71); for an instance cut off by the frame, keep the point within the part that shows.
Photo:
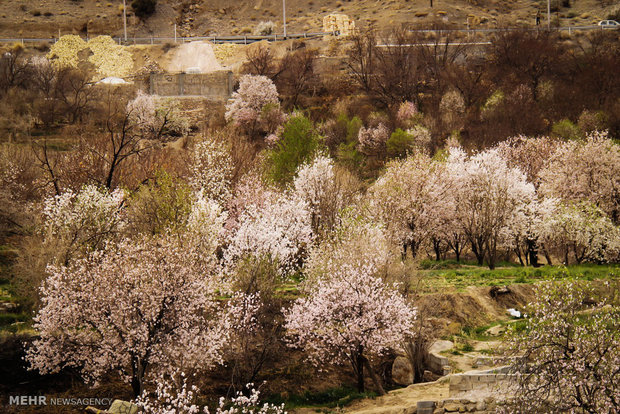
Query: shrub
(567,130)
(144,8)
(264,28)
(298,144)
(399,144)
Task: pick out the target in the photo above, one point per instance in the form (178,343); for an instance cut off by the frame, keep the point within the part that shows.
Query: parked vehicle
(609,24)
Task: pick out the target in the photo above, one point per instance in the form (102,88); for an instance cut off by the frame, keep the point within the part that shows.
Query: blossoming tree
(588,170)
(350,317)
(568,357)
(132,308)
(255,106)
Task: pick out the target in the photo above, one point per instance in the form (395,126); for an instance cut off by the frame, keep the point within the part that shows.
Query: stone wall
(216,86)
(458,405)
(463,383)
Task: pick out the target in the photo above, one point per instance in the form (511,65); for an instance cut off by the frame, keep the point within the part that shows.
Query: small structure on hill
(340,23)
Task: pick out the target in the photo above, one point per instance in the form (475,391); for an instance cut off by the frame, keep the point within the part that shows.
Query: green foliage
(333,397)
(163,203)
(400,144)
(143,8)
(299,144)
(347,152)
(567,130)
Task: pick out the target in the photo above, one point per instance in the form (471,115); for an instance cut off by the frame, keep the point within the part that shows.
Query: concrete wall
(216,86)
(438,364)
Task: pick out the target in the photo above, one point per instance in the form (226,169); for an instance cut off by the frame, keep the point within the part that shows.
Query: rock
(402,371)
(495,291)
(481,406)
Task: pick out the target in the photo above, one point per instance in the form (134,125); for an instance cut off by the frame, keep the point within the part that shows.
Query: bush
(264,28)
(567,130)
(144,8)
(298,144)
(399,144)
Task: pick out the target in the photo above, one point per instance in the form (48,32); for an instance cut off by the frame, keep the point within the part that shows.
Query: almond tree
(583,230)
(135,307)
(83,221)
(349,317)
(488,193)
(406,198)
(569,354)
(327,190)
(275,226)
(588,170)
(255,106)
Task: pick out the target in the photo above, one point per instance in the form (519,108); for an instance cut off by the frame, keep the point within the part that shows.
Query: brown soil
(46,18)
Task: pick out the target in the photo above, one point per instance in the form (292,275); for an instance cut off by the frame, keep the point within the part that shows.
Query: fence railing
(240,39)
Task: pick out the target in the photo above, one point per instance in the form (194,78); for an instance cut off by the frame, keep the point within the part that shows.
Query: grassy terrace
(449,274)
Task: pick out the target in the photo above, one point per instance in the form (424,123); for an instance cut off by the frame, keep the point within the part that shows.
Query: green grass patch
(331,398)
(466,275)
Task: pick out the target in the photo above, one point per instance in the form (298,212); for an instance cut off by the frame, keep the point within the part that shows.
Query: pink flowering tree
(135,308)
(586,170)
(349,317)
(255,106)
(568,355)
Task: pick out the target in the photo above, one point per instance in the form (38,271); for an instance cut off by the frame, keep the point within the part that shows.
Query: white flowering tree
(372,140)
(212,170)
(488,193)
(326,190)
(83,221)
(155,117)
(134,307)
(568,355)
(586,170)
(407,199)
(357,239)
(277,227)
(349,317)
(530,155)
(583,230)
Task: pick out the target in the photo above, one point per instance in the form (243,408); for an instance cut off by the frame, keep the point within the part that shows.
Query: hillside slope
(48,18)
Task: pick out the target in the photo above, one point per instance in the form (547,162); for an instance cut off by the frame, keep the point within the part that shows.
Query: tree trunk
(478,252)
(532,252)
(359,362)
(437,248)
(547,256)
(374,377)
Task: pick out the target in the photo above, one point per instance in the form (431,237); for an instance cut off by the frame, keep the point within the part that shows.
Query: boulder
(402,371)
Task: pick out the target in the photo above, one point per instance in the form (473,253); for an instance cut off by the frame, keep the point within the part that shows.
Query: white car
(609,24)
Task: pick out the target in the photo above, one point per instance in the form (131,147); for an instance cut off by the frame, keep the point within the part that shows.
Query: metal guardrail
(162,40)
(280,37)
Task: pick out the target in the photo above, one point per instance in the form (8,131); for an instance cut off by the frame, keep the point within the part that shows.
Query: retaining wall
(216,86)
